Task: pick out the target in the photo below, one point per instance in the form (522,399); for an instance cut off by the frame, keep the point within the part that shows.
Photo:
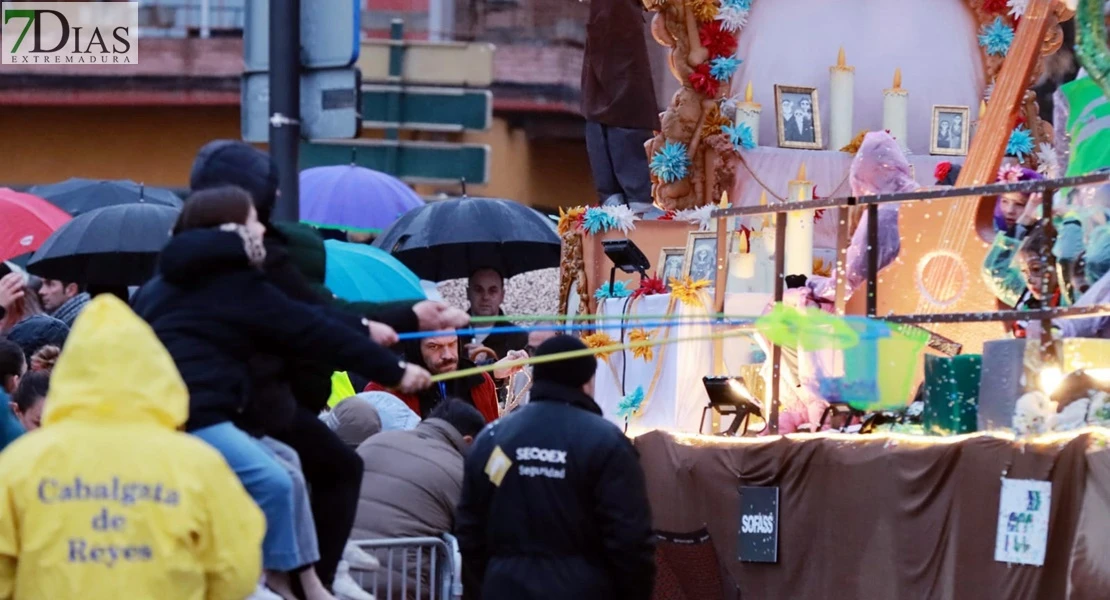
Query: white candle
(799,228)
(895,109)
(842,81)
(747,112)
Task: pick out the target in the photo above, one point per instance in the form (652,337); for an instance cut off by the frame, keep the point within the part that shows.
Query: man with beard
(440,355)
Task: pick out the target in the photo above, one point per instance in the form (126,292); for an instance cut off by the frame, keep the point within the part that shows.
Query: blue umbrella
(354,198)
(361,273)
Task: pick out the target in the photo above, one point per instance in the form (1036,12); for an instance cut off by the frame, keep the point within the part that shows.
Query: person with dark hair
(13,365)
(63,300)
(553,502)
(213,307)
(440,355)
(412,479)
(294,263)
(30,398)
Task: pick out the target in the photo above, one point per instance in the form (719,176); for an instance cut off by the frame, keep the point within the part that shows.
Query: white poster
(1023,511)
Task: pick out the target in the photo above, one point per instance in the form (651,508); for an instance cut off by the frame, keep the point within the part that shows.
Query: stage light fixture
(731,396)
(626,256)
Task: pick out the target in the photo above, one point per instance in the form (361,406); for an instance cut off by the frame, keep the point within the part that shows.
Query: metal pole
(205,19)
(396,75)
(285,103)
(1048,351)
(872,259)
(776,350)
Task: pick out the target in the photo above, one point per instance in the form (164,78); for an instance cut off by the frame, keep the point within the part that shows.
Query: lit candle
(895,110)
(842,79)
(799,228)
(747,112)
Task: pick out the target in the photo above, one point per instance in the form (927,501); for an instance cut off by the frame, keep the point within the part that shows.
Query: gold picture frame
(700,258)
(796,135)
(941,137)
(667,254)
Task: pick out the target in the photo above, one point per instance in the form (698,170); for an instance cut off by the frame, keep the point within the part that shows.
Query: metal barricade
(421,568)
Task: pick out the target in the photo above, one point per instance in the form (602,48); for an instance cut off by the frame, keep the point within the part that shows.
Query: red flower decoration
(703,83)
(668,216)
(818,215)
(995,6)
(650,286)
(717,41)
(942,170)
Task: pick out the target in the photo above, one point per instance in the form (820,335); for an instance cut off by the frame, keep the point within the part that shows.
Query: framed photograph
(949,133)
(798,117)
(670,263)
(701,256)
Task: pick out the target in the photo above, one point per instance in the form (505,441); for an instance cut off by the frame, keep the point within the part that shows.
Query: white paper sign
(1023,511)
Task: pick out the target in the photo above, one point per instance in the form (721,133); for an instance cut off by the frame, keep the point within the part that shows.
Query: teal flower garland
(630,403)
(670,163)
(1020,144)
(996,37)
(740,136)
(620,290)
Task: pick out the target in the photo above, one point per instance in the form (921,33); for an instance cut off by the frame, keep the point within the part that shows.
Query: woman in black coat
(213,309)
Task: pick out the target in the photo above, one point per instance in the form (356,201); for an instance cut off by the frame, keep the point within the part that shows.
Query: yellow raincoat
(107,501)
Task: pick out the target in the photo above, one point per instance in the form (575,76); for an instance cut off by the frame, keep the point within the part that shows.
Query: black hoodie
(213,311)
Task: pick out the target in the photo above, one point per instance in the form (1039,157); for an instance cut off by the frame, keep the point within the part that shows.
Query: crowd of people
(208,438)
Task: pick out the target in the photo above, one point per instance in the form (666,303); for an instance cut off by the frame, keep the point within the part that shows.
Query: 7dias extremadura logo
(65,33)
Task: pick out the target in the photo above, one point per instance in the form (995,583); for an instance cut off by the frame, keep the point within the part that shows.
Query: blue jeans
(268,483)
(308,547)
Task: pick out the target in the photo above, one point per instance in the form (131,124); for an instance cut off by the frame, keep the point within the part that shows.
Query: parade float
(1000,486)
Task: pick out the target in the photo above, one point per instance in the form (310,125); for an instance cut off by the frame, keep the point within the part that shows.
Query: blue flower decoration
(723,67)
(630,403)
(737,4)
(740,135)
(1020,144)
(996,37)
(670,162)
(597,221)
(620,290)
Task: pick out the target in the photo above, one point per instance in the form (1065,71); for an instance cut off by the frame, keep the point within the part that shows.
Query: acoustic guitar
(944,242)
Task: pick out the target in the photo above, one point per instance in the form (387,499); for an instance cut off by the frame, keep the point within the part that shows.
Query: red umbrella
(25,222)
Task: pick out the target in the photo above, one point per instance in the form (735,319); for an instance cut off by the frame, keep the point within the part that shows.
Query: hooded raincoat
(108,500)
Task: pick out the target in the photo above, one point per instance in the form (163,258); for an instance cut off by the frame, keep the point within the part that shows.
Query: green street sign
(426,108)
(414,162)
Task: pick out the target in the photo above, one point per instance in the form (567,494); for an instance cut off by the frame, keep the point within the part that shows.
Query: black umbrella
(450,239)
(112,246)
(78,196)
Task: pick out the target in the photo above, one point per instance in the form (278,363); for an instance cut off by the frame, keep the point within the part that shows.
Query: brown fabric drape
(617,88)
(876,517)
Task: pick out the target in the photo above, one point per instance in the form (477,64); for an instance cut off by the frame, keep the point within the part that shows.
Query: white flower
(732,19)
(699,216)
(1049,161)
(623,215)
(1033,414)
(1017,7)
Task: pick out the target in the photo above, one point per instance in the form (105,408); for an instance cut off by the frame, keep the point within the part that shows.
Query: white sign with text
(67,33)
(1023,511)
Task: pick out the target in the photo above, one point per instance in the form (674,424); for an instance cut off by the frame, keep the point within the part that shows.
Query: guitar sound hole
(942,277)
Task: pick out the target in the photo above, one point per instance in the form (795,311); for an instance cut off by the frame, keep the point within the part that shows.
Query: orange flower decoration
(599,340)
(643,352)
(570,219)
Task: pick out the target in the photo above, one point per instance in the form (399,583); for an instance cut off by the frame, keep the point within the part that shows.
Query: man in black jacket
(553,501)
(295,265)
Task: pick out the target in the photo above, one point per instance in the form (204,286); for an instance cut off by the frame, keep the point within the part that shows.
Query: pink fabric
(794,42)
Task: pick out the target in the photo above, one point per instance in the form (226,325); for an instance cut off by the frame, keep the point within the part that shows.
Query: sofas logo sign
(65,33)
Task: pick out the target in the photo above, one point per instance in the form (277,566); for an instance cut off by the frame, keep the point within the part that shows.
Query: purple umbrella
(354,198)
